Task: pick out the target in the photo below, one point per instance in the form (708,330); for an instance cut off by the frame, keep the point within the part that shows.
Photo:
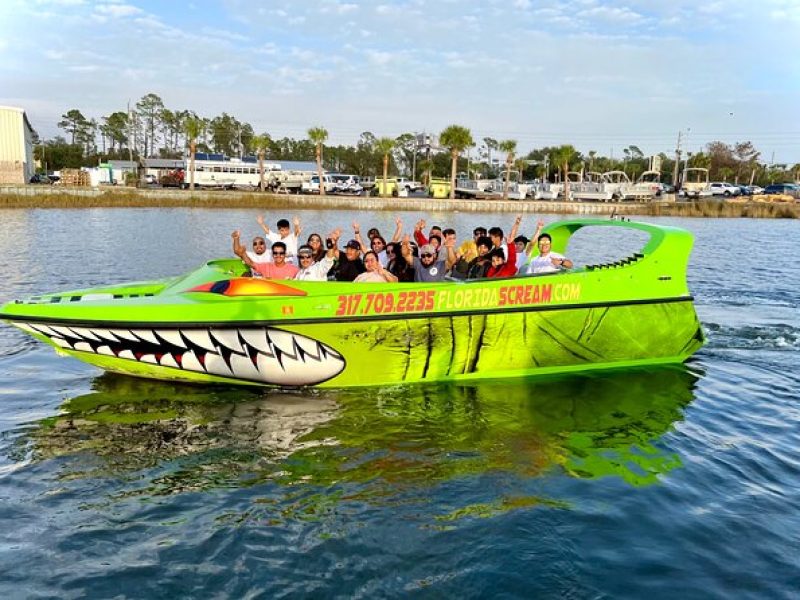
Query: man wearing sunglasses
(260,252)
(428,266)
(317,271)
(277,269)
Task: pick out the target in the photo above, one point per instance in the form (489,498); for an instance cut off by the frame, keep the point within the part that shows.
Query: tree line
(150,129)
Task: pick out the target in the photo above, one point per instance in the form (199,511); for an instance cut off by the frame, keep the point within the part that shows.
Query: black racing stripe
(476,357)
(429,349)
(317,320)
(452,345)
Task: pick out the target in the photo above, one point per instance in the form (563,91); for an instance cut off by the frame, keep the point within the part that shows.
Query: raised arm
(406,250)
(452,257)
(297,229)
(398,232)
(514,230)
(419,237)
(264,226)
(357,234)
(333,251)
(239,250)
(535,239)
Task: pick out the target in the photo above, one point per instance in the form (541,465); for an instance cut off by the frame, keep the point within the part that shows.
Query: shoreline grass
(78,198)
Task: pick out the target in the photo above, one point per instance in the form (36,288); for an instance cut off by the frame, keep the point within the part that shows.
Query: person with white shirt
(285,235)
(260,254)
(547,261)
(317,271)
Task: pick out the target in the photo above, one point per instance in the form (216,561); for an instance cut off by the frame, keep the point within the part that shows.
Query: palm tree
(193,127)
(318,135)
(384,146)
(592,154)
(509,147)
(426,166)
(456,138)
(260,143)
(563,156)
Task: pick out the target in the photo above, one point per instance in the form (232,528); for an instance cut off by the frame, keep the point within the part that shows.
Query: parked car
(41,178)
(150,179)
(789,189)
(756,189)
(745,190)
(723,188)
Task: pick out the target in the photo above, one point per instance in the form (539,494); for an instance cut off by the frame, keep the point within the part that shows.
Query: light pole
(414,159)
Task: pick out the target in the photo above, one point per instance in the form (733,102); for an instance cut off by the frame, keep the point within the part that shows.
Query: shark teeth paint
(261,354)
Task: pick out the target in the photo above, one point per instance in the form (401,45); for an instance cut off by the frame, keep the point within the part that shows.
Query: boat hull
(387,351)
(214,325)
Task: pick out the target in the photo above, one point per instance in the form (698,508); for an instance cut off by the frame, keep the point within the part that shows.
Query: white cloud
(613,14)
(378,57)
(116,11)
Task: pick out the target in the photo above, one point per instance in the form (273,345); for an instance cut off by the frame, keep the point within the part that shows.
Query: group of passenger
(430,256)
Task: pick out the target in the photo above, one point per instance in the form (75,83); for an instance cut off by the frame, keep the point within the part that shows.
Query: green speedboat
(215,325)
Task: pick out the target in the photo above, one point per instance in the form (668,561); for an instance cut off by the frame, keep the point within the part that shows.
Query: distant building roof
(163,163)
(123,164)
(297,165)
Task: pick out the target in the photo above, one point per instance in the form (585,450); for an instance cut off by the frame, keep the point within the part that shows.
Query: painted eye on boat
(246,286)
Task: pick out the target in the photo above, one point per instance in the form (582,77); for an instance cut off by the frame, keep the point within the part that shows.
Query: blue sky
(598,74)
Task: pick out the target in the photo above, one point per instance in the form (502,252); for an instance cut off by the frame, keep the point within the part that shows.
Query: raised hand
(236,234)
(296,222)
(260,220)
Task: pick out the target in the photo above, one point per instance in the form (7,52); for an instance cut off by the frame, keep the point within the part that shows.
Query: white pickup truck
(409,185)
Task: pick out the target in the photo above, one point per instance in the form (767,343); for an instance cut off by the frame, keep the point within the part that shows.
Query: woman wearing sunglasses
(310,268)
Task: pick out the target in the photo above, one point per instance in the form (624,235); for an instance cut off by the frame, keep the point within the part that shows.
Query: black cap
(353,244)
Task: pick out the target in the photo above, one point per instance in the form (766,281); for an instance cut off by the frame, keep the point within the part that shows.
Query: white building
(16,146)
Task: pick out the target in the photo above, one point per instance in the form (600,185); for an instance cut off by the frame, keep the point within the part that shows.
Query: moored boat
(215,325)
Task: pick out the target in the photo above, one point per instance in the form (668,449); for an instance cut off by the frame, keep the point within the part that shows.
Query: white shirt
(291,245)
(260,258)
(543,264)
(370,277)
(316,272)
(522,257)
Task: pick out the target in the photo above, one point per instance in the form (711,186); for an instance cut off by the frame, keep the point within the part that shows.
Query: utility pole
(130,132)
(677,161)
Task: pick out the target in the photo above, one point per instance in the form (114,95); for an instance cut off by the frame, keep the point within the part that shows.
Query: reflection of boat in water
(383,440)
(214,325)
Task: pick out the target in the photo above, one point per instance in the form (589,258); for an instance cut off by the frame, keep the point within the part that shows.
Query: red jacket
(509,268)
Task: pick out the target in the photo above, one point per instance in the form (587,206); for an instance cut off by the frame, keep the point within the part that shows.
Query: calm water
(669,483)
